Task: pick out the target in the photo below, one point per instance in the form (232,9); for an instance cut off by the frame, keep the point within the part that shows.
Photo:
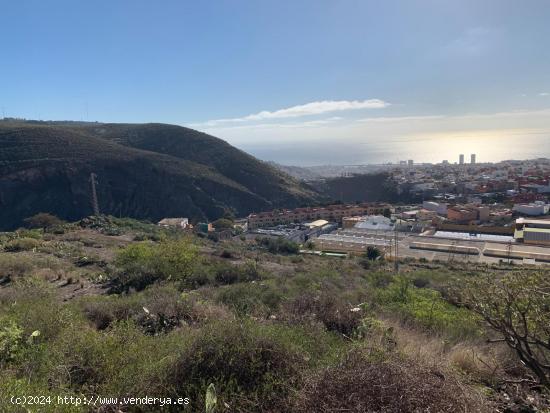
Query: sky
(297,77)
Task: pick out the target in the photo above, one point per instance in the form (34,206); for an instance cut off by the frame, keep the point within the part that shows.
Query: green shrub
(143,263)
(155,310)
(251,298)
(198,279)
(12,386)
(32,304)
(251,368)
(28,233)
(108,362)
(21,244)
(43,220)
(426,308)
(278,245)
(11,339)
(227,254)
(230,273)
(372,253)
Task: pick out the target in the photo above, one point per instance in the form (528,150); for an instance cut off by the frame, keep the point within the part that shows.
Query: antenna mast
(95,204)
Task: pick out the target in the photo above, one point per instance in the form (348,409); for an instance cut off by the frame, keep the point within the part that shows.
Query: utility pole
(509,252)
(396,249)
(95,204)
(452,251)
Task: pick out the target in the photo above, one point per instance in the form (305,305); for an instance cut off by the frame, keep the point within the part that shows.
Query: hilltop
(145,171)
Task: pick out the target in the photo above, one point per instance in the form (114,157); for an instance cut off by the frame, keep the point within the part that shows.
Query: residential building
(332,213)
(536,208)
(437,207)
(174,222)
(464,214)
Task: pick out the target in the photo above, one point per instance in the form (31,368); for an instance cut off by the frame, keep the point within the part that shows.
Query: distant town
(469,211)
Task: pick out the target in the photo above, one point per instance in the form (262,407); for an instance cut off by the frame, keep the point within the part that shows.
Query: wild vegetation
(117,307)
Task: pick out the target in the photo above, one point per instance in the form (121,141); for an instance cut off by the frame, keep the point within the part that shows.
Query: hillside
(87,308)
(373,187)
(144,171)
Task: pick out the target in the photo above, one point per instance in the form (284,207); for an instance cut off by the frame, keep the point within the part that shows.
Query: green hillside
(144,171)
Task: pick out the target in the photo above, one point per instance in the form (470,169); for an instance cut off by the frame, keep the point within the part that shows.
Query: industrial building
(318,227)
(533,231)
(372,222)
(355,244)
(297,232)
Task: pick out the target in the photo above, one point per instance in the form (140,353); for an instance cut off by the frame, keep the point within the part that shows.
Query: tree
(222,224)
(43,220)
(372,253)
(517,307)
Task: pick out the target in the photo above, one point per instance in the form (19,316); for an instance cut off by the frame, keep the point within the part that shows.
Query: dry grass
(367,383)
(479,361)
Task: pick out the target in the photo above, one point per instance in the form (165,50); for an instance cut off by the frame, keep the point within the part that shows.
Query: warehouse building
(533,231)
(354,244)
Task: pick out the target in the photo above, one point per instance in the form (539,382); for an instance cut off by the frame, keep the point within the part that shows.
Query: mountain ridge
(145,171)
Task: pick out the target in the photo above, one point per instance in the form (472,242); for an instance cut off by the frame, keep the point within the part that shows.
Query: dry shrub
(482,362)
(155,310)
(46,274)
(479,362)
(21,244)
(329,309)
(13,266)
(366,383)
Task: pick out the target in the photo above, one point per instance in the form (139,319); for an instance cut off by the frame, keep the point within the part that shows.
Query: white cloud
(335,120)
(377,129)
(544,94)
(391,119)
(308,109)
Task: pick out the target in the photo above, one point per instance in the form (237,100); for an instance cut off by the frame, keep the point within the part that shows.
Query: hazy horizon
(308,81)
(487,149)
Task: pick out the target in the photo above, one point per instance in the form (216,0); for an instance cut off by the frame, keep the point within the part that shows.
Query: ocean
(432,149)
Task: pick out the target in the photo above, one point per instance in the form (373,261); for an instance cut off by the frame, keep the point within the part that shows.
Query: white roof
(318,223)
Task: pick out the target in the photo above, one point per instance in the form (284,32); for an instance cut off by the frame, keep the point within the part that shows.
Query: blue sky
(268,72)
